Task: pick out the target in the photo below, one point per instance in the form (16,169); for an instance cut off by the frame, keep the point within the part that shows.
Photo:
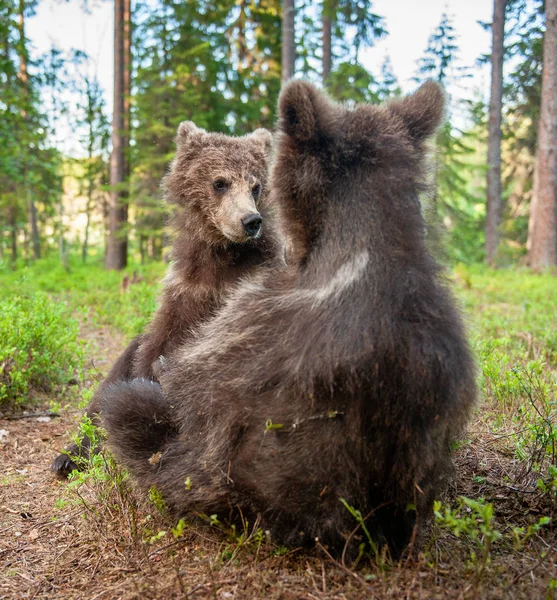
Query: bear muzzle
(252,224)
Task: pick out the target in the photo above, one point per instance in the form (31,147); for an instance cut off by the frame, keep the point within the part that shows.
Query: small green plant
(548,484)
(156,537)
(522,534)
(373,548)
(270,426)
(214,521)
(178,531)
(472,519)
(157,500)
(101,486)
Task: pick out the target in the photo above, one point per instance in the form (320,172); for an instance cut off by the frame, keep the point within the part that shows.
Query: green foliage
(91,290)
(456,201)
(39,348)
(372,547)
(101,486)
(522,84)
(29,164)
(536,416)
(515,340)
(472,519)
(178,531)
(352,82)
(548,484)
(157,500)
(270,426)
(439,58)
(523,534)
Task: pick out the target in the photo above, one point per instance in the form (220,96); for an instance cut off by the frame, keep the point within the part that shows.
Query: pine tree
(521,114)
(452,200)
(23,75)
(493,205)
(29,166)
(348,26)
(95,140)
(117,243)
(542,231)
(387,83)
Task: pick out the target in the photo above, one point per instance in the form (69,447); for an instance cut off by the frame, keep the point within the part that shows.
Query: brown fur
(211,251)
(346,375)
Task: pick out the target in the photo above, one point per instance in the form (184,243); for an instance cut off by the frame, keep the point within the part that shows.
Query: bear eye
(256,190)
(220,185)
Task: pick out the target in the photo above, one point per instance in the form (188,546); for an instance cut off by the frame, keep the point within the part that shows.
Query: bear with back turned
(224,229)
(346,376)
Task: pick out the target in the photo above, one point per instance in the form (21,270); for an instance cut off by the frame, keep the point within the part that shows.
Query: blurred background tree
(221,65)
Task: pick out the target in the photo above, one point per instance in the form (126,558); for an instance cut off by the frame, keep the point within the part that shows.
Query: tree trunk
(32,211)
(62,246)
(88,209)
(327,39)
(23,76)
(142,247)
(242,42)
(493,208)
(288,40)
(542,228)
(85,248)
(13,233)
(117,243)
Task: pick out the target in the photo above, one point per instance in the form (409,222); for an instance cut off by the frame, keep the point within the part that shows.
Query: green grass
(493,531)
(41,309)
(513,325)
(90,291)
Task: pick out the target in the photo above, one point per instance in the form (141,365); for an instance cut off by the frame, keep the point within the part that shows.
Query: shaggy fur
(211,252)
(345,376)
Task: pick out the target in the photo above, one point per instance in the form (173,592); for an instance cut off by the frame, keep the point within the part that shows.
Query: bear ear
(187,130)
(263,137)
(423,111)
(302,110)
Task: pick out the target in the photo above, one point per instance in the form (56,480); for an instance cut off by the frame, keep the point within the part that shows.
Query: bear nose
(252,224)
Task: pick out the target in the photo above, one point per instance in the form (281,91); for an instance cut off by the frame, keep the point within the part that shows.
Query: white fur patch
(346,275)
(216,339)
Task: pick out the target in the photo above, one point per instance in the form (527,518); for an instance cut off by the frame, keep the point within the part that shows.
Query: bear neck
(331,235)
(204,264)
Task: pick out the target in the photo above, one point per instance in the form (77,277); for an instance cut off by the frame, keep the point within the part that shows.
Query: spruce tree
(452,201)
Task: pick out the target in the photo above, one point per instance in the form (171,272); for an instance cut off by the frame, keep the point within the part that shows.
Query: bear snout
(252,224)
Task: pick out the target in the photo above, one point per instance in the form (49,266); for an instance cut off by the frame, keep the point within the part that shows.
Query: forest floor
(97,538)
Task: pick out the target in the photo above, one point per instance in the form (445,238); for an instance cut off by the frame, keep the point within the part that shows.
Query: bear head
(355,171)
(219,183)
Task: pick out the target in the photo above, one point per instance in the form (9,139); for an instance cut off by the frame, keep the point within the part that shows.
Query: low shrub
(39,348)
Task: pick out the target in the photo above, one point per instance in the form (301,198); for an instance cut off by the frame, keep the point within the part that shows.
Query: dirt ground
(58,543)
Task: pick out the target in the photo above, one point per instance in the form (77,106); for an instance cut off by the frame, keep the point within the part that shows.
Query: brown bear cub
(224,229)
(343,379)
